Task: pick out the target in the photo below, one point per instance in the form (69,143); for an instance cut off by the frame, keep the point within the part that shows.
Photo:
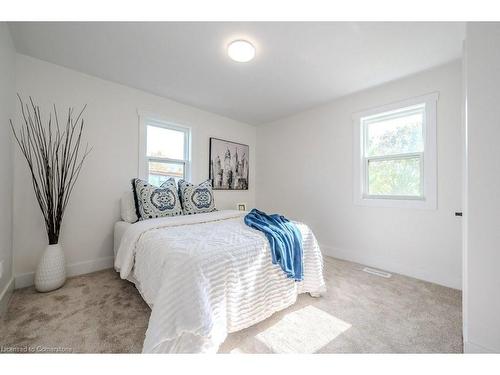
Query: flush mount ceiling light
(241,51)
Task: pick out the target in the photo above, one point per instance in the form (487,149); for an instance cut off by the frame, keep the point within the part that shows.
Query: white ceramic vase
(51,270)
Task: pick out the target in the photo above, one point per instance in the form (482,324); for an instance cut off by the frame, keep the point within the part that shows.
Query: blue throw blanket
(284,238)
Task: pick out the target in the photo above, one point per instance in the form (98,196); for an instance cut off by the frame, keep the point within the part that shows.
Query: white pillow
(128,211)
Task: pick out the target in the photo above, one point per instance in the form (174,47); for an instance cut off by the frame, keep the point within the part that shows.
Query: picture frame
(229,164)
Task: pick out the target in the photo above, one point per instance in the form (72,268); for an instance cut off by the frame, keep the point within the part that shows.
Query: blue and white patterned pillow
(152,202)
(196,199)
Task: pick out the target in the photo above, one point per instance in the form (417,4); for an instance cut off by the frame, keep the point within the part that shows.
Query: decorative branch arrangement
(55,159)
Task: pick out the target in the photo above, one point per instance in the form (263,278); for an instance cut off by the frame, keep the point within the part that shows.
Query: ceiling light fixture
(241,51)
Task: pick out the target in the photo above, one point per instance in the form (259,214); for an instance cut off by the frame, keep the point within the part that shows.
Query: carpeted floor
(360,313)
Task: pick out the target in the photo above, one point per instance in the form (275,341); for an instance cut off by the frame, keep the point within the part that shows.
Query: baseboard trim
(26,279)
(353,256)
(471,348)
(5,296)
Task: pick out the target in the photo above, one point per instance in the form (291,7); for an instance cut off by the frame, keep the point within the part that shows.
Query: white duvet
(207,275)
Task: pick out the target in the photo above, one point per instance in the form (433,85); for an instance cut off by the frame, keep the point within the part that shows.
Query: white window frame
(428,158)
(148,119)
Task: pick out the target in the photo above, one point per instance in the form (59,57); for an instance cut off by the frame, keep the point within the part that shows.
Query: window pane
(396,134)
(165,143)
(159,172)
(394,177)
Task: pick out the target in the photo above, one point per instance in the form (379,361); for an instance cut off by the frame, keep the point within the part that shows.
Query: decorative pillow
(128,211)
(152,201)
(196,199)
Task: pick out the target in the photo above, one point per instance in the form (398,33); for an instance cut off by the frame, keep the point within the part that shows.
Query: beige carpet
(360,313)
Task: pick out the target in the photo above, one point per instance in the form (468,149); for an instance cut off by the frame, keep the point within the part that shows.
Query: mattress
(120,229)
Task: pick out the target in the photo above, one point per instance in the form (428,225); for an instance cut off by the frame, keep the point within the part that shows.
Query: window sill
(396,203)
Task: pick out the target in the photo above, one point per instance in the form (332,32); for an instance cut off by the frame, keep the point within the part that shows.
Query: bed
(207,275)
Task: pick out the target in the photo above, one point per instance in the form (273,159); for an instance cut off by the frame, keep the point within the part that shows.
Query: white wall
(482,241)
(112,129)
(7,94)
(304,170)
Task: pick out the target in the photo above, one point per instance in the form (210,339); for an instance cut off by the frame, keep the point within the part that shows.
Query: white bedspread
(207,275)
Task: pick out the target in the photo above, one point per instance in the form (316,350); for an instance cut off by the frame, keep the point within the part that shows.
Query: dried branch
(54,160)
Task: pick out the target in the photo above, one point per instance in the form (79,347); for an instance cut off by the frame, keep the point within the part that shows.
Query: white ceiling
(299,64)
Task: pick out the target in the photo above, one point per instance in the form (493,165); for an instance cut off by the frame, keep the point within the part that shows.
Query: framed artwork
(229,165)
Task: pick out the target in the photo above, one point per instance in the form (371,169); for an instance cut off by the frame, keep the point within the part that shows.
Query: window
(163,151)
(395,154)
